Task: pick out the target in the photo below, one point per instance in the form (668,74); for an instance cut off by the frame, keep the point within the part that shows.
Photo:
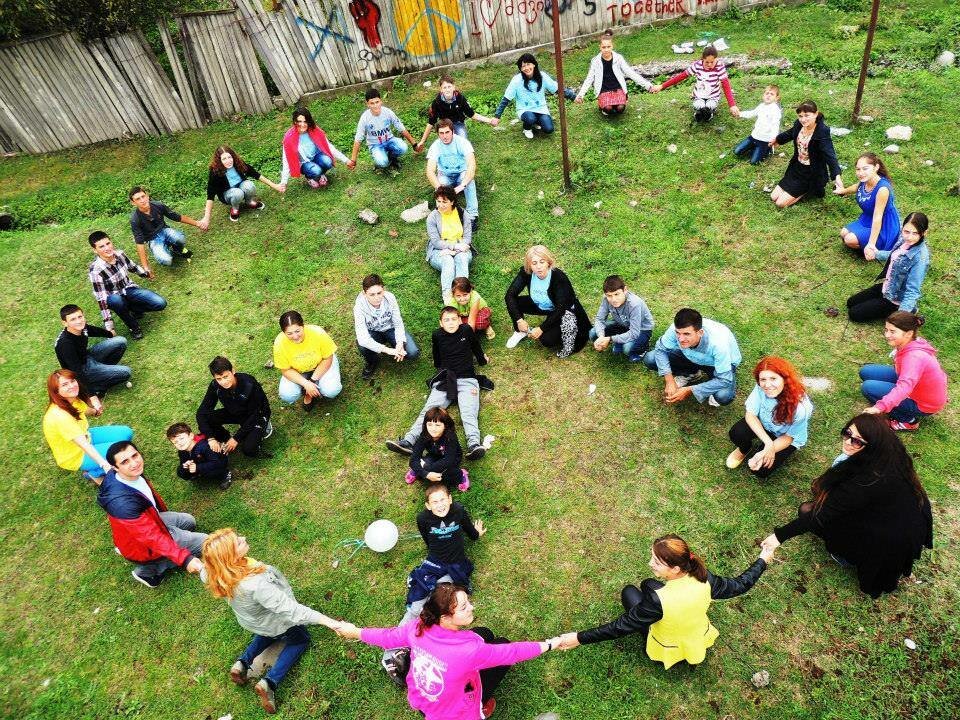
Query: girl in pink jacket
(916,385)
(453,672)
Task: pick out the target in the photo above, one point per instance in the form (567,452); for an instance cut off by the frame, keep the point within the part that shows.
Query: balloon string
(358,544)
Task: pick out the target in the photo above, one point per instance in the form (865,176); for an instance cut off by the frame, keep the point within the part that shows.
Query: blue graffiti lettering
(326,31)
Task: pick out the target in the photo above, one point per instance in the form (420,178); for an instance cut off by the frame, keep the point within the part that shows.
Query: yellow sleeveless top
(684,632)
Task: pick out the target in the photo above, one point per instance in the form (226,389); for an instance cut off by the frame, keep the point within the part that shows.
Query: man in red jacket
(144,531)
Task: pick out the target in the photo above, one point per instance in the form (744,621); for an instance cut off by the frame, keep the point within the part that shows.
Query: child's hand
(735,111)
(870,252)
(351,163)
(190,466)
(656,88)
(481,528)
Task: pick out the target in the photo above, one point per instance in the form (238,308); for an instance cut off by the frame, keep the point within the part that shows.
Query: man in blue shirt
(450,161)
(694,345)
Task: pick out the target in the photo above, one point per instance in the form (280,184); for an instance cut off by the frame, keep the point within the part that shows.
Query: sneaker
(474,222)
(488,707)
(485,383)
(712,401)
(151,581)
(234,214)
(475,452)
(684,380)
(185,254)
(238,673)
(898,426)
(269,431)
(368,371)
(564,354)
(397,666)
(409,478)
(604,113)
(256,205)
(309,406)
(732,461)
(842,562)
(400,446)
(515,339)
(137,334)
(227,481)
(465,483)
(313,183)
(323,181)
(528,134)
(267,699)
(490,333)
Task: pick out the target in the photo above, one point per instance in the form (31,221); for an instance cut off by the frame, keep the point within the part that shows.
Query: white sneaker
(515,340)
(528,134)
(683,380)
(712,401)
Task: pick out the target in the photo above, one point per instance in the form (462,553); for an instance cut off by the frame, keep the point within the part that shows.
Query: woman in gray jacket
(263,602)
(449,235)
(608,77)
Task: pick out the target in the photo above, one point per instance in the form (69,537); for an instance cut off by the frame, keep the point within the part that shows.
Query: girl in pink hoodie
(453,672)
(915,386)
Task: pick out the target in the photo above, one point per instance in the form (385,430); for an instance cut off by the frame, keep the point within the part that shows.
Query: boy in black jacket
(197,460)
(244,403)
(455,347)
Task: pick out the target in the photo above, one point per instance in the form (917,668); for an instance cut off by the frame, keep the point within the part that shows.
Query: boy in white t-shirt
(374,125)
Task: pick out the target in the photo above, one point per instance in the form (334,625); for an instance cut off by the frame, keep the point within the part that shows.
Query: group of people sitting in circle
(869,507)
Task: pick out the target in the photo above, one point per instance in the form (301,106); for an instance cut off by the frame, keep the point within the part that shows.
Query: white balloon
(381,535)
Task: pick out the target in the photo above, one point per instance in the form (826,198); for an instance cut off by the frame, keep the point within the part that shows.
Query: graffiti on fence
(562,6)
(365,57)
(427,28)
(335,28)
(627,9)
(366,15)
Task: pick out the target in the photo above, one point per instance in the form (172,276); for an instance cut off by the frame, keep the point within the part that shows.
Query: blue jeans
(723,391)
(878,380)
(530,118)
(452,179)
(633,350)
(460,129)
(450,267)
(101,369)
(329,384)
(388,152)
(244,192)
(316,167)
(297,640)
(388,338)
(757,148)
(134,300)
(163,241)
(102,437)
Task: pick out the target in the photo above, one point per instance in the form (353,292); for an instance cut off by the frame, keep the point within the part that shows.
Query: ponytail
(442,601)
(674,551)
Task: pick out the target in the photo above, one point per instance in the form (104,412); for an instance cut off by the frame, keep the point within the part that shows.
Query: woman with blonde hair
(549,293)
(671,611)
(262,599)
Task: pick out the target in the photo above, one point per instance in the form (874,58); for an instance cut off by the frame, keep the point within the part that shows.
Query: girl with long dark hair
(230,180)
(878,227)
(814,160)
(529,88)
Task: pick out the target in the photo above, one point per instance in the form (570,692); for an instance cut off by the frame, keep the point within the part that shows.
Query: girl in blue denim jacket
(902,277)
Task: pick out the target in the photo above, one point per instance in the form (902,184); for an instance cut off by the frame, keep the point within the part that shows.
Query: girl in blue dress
(878,227)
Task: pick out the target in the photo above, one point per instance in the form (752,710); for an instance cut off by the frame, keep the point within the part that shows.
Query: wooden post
(561,100)
(874,10)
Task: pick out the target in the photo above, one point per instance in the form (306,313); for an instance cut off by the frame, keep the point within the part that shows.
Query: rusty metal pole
(561,100)
(866,60)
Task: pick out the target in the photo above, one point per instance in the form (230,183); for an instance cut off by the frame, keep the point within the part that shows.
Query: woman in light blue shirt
(528,89)
(777,414)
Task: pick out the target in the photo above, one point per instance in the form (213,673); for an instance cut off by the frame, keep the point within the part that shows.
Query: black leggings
(869,304)
(491,678)
(552,338)
(743,437)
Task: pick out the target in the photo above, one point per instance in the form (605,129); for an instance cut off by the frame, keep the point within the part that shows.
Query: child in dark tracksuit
(196,459)
(436,454)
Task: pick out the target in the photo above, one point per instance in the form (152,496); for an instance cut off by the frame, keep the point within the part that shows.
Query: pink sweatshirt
(443,663)
(919,377)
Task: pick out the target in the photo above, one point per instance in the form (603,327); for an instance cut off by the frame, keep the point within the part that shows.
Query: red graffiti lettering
(624,10)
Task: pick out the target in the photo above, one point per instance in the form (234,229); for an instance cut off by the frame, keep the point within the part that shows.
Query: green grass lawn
(576,486)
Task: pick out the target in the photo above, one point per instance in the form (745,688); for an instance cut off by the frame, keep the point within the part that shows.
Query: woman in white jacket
(263,602)
(608,78)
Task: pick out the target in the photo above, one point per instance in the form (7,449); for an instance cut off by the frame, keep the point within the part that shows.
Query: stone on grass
(633,203)
(547,716)
(946,59)
(832,312)
(865,118)
(928,163)
(558,211)
(427,83)
(911,645)
(840,131)
(848,30)
(893,149)
(671,148)
(760,679)
(393,233)
(597,204)
(416,213)
(817,384)
(540,195)
(899,132)
(368,216)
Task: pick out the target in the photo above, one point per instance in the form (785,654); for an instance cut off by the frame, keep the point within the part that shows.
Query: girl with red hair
(777,414)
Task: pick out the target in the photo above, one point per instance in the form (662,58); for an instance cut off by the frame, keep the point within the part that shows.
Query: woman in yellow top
(672,610)
(449,237)
(306,357)
(76,445)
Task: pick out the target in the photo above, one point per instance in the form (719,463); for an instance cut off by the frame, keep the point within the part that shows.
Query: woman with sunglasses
(869,508)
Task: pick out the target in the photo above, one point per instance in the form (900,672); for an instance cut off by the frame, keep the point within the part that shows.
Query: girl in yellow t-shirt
(76,445)
(306,357)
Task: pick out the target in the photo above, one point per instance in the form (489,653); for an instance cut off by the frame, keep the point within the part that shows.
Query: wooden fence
(58,92)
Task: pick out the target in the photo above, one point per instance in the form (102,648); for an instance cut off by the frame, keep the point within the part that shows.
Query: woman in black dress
(814,161)
(869,508)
